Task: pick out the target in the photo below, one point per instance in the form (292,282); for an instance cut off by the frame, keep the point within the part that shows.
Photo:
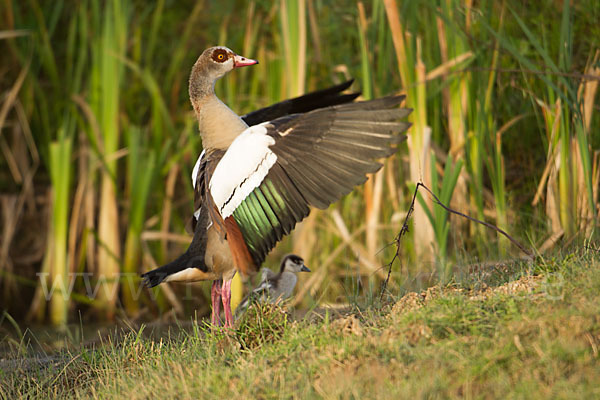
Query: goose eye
(219,56)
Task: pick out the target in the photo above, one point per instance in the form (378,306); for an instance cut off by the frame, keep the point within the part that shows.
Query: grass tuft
(261,324)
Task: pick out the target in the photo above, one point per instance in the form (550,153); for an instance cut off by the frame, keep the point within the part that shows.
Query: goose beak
(239,61)
(304,269)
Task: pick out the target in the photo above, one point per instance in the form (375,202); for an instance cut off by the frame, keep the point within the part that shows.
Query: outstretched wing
(273,172)
(322,98)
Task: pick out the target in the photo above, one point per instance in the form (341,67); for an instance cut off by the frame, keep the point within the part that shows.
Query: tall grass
(293,34)
(140,174)
(503,127)
(453,47)
(106,77)
(409,55)
(438,217)
(60,173)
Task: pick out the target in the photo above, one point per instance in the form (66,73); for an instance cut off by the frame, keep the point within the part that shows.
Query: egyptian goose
(259,174)
(273,287)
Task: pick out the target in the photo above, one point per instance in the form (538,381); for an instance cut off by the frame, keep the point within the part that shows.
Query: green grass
(536,337)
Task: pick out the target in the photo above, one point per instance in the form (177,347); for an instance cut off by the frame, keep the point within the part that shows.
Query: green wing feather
(269,212)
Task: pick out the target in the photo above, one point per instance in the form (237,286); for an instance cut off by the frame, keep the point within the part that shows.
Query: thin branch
(404,229)
(487,224)
(396,241)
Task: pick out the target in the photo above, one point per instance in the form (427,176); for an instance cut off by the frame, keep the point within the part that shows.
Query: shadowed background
(98,140)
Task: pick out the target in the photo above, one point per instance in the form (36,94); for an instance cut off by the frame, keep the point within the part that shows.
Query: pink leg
(215,296)
(226,296)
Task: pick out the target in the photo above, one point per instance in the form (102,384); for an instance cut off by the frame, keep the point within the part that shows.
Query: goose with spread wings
(260,173)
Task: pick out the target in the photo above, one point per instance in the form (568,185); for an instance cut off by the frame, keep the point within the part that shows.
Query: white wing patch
(195,178)
(196,168)
(243,167)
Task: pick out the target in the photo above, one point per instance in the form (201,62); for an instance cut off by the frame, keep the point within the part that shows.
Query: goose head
(293,263)
(213,64)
